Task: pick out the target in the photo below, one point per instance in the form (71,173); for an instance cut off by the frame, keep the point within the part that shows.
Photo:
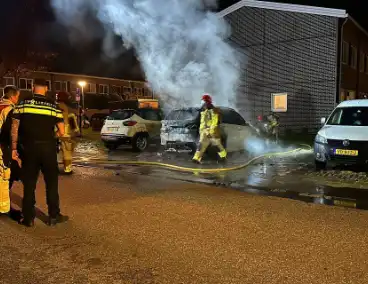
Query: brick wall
(354,69)
(286,52)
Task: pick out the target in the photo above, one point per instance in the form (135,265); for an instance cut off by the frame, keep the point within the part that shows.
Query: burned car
(180,130)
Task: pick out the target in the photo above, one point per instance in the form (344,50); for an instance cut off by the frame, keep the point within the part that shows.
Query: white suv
(136,127)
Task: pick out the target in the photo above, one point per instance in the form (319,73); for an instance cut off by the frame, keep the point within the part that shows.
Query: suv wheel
(111,146)
(140,142)
(320,165)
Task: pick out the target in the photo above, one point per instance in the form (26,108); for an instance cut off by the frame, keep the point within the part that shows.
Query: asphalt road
(128,228)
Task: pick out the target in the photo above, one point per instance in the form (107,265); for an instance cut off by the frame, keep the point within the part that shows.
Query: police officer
(34,120)
(209,130)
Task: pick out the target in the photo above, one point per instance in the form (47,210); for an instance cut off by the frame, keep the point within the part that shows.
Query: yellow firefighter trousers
(204,142)
(67,149)
(4,190)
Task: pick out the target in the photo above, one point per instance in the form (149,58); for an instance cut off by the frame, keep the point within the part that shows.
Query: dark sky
(32,21)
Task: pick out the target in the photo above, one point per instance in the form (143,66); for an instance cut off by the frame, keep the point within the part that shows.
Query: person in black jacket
(34,119)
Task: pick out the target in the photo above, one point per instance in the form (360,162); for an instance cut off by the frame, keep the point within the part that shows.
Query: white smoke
(181,46)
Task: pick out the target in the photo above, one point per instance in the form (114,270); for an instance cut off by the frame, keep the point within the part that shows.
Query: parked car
(98,120)
(180,129)
(136,126)
(343,138)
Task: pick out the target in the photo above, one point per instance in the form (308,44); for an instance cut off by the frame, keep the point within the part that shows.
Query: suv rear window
(183,114)
(120,114)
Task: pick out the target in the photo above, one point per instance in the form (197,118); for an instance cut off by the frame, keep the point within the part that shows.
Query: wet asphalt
(138,229)
(290,175)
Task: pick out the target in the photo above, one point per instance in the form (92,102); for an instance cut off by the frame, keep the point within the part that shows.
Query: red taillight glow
(129,123)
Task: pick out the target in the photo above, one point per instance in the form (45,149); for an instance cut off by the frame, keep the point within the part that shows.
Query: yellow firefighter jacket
(70,121)
(210,123)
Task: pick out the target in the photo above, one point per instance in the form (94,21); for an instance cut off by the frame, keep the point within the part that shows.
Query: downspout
(340,32)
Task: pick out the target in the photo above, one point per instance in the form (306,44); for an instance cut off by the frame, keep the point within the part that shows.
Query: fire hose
(301,147)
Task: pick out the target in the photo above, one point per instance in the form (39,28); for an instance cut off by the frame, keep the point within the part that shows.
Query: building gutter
(340,31)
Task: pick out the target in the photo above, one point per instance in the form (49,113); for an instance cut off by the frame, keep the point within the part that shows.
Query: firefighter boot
(222,155)
(197,157)
(68,167)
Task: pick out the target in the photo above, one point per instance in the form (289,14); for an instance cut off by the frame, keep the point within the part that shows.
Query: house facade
(94,85)
(313,55)
(354,61)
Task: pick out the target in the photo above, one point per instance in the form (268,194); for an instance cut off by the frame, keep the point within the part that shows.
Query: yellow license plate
(343,152)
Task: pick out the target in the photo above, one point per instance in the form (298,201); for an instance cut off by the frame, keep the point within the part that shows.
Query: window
(350,95)
(184,114)
(118,89)
(9,81)
(351,116)
(103,89)
(147,93)
(126,90)
(91,88)
(48,85)
(362,62)
(65,86)
(57,86)
(230,116)
(345,53)
(120,114)
(353,57)
(150,114)
(25,84)
(73,87)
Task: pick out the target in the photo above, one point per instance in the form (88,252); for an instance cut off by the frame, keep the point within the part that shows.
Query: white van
(343,138)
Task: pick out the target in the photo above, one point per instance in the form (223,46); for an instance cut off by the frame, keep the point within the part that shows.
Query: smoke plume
(180,44)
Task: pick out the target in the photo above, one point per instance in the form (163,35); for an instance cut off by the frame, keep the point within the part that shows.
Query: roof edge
(358,25)
(86,76)
(338,13)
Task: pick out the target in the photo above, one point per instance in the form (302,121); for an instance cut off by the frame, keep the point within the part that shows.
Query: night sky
(31,23)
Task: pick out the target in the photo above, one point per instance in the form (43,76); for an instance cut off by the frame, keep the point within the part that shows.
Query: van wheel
(320,165)
(140,142)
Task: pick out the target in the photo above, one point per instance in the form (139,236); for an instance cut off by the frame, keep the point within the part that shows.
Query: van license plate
(342,152)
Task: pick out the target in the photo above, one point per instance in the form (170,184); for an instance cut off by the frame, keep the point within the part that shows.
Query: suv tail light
(129,123)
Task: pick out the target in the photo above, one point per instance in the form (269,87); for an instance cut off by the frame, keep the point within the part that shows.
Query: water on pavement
(291,175)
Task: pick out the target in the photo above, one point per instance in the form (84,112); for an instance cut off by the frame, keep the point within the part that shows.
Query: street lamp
(82,84)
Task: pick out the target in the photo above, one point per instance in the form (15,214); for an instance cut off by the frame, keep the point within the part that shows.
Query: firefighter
(8,175)
(67,142)
(209,130)
(273,120)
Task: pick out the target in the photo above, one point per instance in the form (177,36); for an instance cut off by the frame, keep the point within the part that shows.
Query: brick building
(94,85)
(354,61)
(317,56)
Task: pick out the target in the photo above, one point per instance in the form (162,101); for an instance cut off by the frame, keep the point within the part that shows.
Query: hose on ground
(195,170)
